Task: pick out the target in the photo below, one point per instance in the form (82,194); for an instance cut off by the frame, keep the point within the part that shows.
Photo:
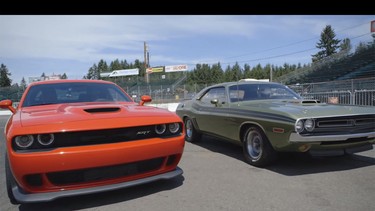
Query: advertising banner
(126,72)
(176,68)
(154,69)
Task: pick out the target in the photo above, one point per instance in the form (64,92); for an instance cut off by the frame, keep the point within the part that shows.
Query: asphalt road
(217,178)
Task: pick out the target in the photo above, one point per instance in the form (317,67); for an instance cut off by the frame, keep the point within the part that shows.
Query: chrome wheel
(192,135)
(189,128)
(257,150)
(254,144)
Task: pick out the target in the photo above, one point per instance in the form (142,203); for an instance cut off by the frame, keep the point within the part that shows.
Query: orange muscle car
(73,137)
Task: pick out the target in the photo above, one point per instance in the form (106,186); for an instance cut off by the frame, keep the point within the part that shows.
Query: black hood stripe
(242,112)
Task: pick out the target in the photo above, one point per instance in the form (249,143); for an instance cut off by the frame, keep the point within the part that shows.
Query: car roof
(70,81)
(241,82)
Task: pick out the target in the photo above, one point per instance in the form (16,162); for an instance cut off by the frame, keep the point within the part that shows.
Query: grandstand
(341,66)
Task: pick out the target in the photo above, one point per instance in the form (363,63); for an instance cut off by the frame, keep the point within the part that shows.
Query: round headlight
(299,126)
(309,125)
(24,141)
(46,139)
(160,129)
(174,127)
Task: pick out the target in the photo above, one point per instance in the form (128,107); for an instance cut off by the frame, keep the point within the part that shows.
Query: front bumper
(338,152)
(83,167)
(296,138)
(44,197)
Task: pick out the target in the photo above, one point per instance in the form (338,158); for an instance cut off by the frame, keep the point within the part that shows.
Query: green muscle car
(267,118)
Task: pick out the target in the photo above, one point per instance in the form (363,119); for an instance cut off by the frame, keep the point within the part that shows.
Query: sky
(31,45)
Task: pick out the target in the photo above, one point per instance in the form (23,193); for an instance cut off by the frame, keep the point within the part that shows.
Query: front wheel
(191,134)
(257,149)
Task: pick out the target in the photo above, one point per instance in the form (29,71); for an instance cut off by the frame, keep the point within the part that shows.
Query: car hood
(93,116)
(306,108)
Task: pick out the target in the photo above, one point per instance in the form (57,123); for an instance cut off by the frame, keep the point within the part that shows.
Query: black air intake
(310,101)
(100,110)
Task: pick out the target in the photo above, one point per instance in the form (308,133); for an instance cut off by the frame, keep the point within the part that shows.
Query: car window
(247,92)
(44,94)
(214,93)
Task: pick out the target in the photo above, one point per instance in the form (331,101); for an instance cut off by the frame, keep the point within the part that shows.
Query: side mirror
(145,99)
(7,104)
(215,101)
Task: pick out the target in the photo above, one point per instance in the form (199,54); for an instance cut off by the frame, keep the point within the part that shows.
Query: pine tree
(246,71)
(115,65)
(93,73)
(345,45)
(327,43)
(64,76)
(103,67)
(23,84)
(5,81)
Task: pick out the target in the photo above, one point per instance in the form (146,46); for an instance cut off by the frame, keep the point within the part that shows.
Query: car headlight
(309,125)
(174,127)
(299,126)
(46,139)
(24,141)
(160,129)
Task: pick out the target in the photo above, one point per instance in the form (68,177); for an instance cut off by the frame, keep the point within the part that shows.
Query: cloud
(74,41)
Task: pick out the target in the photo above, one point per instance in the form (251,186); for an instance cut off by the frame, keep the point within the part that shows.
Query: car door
(211,111)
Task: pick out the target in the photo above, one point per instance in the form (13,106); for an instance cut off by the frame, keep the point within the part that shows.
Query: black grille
(95,137)
(104,173)
(343,125)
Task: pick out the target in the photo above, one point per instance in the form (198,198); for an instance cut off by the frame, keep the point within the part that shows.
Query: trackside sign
(176,68)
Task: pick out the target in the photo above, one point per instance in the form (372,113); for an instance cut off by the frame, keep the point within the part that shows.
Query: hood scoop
(303,101)
(102,110)
(310,101)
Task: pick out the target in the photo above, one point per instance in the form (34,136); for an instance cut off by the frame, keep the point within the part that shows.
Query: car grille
(343,125)
(104,173)
(95,137)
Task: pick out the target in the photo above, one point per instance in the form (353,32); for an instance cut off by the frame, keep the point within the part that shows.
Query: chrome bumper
(296,138)
(44,197)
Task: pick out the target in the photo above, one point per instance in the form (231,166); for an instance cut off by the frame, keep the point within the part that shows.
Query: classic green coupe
(267,118)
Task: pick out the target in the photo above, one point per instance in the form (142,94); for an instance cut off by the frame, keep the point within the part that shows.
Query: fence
(358,97)
(348,92)
(165,93)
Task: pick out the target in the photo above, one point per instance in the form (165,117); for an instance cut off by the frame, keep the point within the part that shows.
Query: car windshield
(246,92)
(56,93)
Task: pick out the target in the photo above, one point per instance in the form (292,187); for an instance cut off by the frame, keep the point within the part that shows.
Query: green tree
(5,81)
(93,73)
(115,65)
(246,71)
(103,67)
(345,45)
(360,47)
(141,66)
(23,84)
(217,73)
(327,43)
(124,64)
(64,76)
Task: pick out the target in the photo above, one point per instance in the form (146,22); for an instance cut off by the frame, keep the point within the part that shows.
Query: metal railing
(358,97)
(348,92)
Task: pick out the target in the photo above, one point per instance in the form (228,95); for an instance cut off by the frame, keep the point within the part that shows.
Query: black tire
(10,182)
(191,133)
(257,149)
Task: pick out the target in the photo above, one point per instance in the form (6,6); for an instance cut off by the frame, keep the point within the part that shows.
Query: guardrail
(358,97)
